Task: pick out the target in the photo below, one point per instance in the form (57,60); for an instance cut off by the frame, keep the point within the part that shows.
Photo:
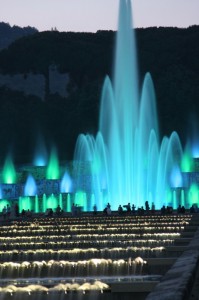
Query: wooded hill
(170,54)
(8,34)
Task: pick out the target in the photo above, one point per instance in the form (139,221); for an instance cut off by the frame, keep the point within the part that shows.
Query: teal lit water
(129,163)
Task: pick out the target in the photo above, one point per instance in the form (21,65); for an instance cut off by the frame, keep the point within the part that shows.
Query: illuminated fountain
(60,269)
(125,163)
(128,162)
(9,172)
(46,258)
(37,188)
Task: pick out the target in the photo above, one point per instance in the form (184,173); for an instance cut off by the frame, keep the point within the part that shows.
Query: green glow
(175,205)
(81,200)
(193,194)
(36,204)
(44,203)
(68,203)
(187,163)
(3,203)
(60,201)
(9,173)
(182,198)
(24,203)
(53,166)
(169,197)
(51,202)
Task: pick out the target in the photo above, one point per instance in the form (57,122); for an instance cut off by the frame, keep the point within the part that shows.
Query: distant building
(35,84)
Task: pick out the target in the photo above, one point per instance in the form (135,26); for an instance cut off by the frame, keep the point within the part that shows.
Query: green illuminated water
(193,195)
(24,203)
(52,202)
(9,173)
(175,205)
(36,204)
(169,198)
(69,203)
(44,203)
(53,171)
(187,163)
(182,198)
(61,201)
(81,200)
(3,203)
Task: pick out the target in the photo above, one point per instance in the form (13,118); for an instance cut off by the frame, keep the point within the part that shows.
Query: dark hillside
(8,34)
(170,54)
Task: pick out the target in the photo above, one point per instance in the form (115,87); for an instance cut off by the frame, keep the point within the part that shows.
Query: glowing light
(25,203)
(41,156)
(66,183)
(187,163)
(126,156)
(81,200)
(9,173)
(168,197)
(0,192)
(36,204)
(30,186)
(51,202)
(195,149)
(176,177)
(193,194)
(53,166)
(3,203)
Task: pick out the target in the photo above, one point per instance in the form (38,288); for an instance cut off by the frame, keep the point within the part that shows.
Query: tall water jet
(128,162)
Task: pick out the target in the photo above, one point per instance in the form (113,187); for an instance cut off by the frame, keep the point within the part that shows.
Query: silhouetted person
(120,210)
(4,212)
(108,211)
(105,210)
(73,210)
(169,210)
(128,208)
(163,210)
(183,210)
(192,209)
(179,209)
(141,211)
(153,208)
(50,212)
(147,206)
(16,208)
(94,209)
(8,211)
(58,210)
(133,209)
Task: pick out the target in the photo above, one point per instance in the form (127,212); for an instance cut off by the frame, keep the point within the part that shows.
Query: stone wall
(36,84)
(30,84)
(58,82)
